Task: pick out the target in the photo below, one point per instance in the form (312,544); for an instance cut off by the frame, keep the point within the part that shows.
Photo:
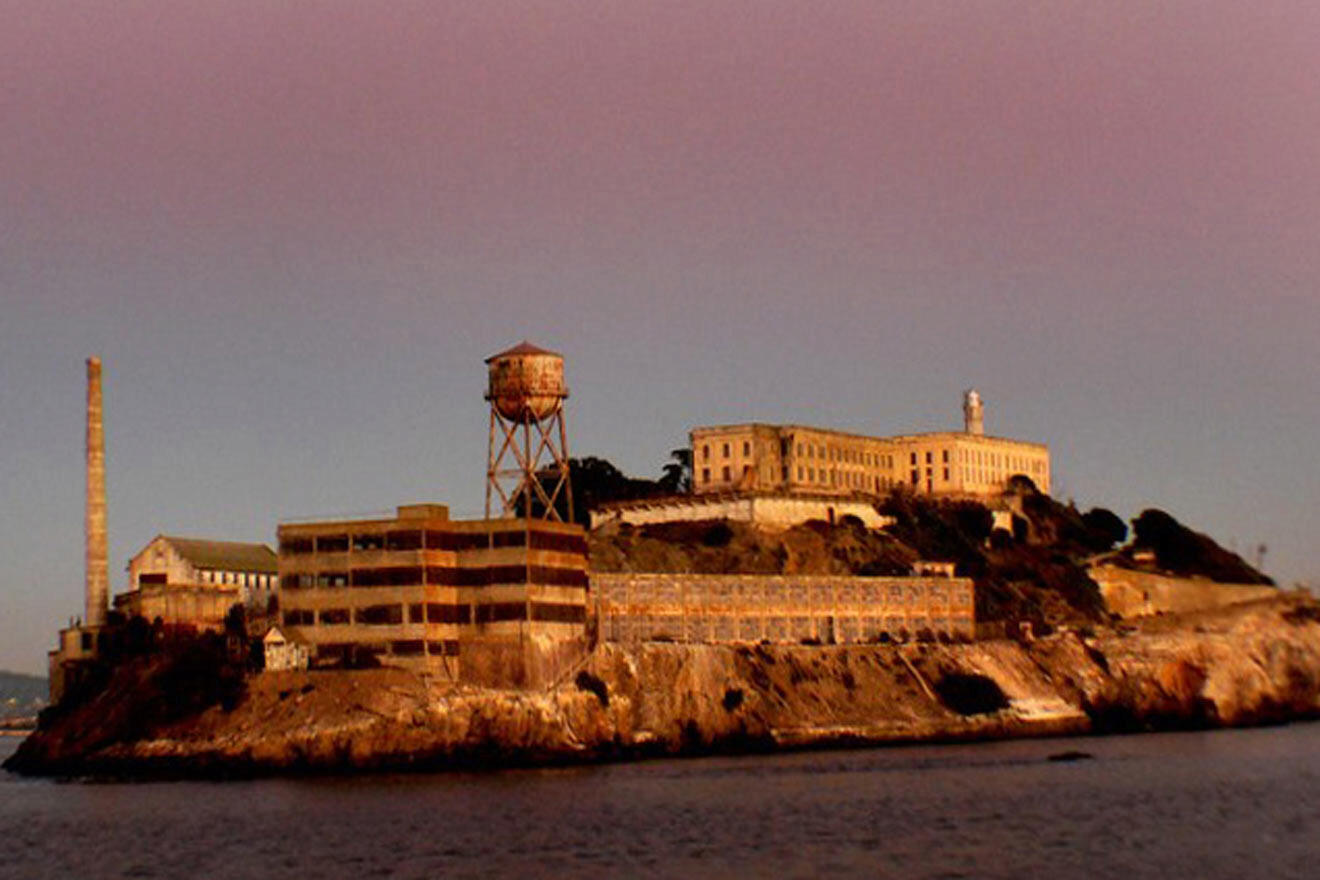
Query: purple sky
(293,231)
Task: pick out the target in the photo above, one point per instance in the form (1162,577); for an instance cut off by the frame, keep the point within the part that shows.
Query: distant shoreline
(18,726)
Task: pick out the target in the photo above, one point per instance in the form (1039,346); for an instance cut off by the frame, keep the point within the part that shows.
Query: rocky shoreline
(1257,663)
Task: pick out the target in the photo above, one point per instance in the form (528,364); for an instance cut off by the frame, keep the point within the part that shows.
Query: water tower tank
(526,383)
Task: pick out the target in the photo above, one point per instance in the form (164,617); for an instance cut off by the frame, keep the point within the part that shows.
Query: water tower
(528,463)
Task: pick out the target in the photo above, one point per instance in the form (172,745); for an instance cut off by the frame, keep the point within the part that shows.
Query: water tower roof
(523,347)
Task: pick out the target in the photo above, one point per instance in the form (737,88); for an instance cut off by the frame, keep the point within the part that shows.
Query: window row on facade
(395,614)
(748,629)
(254,579)
(429,539)
(445,576)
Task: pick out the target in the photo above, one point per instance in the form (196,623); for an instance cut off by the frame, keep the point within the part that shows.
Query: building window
(914,458)
(946,475)
(929,458)
(799,472)
(747,448)
(726,450)
(705,475)
(726,473)
(705,452)
(946,456)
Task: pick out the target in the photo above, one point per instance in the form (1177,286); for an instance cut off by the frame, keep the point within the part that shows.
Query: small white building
(282,654)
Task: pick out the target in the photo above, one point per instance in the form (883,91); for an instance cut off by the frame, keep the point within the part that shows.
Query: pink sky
(281,214)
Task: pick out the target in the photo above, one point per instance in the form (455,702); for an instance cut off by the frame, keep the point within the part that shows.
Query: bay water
(1217,804)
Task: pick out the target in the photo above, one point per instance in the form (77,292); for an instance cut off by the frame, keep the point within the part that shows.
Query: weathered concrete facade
(779,510)
(498,603)
(801,459)
(780,608)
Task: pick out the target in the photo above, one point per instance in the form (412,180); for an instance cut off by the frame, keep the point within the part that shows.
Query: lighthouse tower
(973,413)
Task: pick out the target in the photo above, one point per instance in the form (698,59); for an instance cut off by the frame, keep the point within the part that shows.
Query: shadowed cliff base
(1257,663)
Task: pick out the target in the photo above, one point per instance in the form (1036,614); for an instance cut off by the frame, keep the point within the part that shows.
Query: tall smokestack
(98,566)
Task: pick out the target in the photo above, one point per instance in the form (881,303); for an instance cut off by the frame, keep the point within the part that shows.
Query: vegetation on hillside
(162,673)
(1182,551)
(1035,571)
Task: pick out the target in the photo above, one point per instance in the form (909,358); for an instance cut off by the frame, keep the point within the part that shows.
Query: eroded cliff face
(1251,664)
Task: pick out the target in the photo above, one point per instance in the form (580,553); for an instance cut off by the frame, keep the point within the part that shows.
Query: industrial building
(483,601)
(194,582)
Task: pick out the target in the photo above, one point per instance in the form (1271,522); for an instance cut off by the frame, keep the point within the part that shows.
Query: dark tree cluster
(1180,550)
(597,481)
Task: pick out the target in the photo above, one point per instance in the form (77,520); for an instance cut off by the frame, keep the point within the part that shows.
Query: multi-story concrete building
(498,602)
(803,460)
(194,582)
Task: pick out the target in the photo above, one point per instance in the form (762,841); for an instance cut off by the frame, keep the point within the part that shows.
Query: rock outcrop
(1250,664)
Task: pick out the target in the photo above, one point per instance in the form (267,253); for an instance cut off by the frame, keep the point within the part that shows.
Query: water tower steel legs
(526,460)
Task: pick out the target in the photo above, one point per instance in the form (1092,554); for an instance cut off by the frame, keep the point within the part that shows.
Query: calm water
(1224,804)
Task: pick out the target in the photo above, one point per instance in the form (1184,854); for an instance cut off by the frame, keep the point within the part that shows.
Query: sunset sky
(293,230)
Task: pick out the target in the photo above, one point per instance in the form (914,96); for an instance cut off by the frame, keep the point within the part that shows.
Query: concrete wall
(1130,593)
(779,608)
(780,510)
(201,607)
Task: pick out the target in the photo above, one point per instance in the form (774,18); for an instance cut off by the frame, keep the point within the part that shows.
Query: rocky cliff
(1251,664)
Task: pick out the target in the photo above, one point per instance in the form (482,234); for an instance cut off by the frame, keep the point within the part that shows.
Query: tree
(677,477)
(1180,550)
(1021,484)
(1104,528)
